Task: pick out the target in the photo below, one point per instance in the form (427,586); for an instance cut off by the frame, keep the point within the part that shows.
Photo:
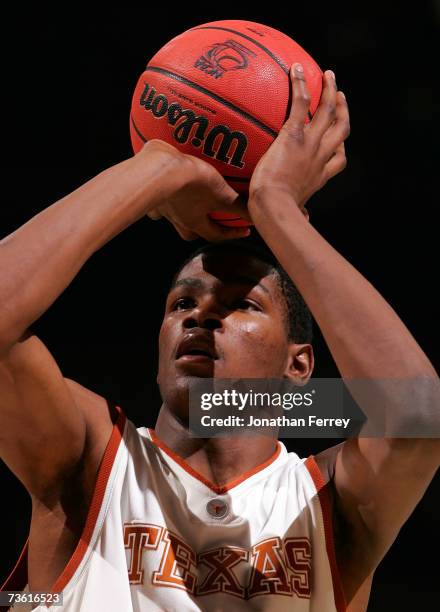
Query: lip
(196,341)
(195,358)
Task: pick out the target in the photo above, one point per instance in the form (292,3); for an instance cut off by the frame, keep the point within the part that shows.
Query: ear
(300,363)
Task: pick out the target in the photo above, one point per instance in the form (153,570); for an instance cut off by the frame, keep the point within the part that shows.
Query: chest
(179,534)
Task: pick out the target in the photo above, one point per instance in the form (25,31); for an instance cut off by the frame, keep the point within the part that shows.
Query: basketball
(221,91)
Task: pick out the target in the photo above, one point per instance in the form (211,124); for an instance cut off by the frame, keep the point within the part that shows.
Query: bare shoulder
(351,540)
(58,521)
(98,414)
(326,461)
(95,407)
(51,426)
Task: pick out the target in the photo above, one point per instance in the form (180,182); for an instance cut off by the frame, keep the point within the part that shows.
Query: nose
(205,315)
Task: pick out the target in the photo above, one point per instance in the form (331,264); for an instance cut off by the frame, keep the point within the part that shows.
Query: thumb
(229,199)
(239,206)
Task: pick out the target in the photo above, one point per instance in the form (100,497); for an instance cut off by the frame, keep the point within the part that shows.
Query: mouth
(196,349)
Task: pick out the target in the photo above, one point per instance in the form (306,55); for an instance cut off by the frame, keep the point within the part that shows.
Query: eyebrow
(197,283)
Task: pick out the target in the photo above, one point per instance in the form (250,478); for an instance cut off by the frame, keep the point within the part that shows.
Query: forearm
(365,336)
(41,258)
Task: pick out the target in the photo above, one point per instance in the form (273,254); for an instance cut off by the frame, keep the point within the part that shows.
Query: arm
(378,481)
(43,430)
(41,258)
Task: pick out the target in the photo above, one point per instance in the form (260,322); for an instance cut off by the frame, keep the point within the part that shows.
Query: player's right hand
(202,190)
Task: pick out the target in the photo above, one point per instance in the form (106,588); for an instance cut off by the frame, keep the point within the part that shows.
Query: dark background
(68,78)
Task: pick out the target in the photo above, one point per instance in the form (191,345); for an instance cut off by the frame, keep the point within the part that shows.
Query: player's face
(224,318)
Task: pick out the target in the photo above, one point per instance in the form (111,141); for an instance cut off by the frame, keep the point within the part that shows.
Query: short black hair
(298,317)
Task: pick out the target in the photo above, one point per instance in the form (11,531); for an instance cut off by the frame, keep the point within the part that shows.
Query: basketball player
(126,519)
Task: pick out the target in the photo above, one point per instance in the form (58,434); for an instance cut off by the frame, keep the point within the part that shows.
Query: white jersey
(159,536)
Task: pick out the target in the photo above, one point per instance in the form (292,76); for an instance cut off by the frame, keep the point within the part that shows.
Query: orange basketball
(221,91)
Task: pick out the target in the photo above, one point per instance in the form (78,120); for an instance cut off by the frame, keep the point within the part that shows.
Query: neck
(220,460)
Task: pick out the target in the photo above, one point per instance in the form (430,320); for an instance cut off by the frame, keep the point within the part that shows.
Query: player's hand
(202,190)
(304,156)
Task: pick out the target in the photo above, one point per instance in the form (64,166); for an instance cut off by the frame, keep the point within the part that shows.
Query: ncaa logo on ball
(224,57)
(219,142)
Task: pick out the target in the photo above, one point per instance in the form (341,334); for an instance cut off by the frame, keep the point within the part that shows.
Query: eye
(183,303)
(245,304)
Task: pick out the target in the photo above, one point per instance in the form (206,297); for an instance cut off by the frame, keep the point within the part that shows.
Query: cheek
(167,335)
(262,344)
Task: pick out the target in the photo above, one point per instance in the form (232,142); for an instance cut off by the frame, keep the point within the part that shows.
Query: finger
(339,149)
(214,232)
(232,233)
(224,194)
(239,207)
(154,215)
(337,133)
(337,163)
(325,114)
(294,126)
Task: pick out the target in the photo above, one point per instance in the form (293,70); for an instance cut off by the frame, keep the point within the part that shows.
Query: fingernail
(299,68)
(332,74)
(342,94)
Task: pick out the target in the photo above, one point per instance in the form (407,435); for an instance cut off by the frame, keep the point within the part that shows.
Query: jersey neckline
(218,489)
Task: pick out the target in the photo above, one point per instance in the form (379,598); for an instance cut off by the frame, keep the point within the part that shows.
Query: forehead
(230,268)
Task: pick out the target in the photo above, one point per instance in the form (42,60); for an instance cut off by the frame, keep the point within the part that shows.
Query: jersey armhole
(18,578)
(322,487)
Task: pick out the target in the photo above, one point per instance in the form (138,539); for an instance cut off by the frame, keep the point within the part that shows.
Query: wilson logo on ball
(219,142)
(223,57)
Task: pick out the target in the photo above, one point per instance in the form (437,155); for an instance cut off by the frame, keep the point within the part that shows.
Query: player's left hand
(304,156)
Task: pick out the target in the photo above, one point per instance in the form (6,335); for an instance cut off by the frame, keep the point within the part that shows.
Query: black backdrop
(68,78)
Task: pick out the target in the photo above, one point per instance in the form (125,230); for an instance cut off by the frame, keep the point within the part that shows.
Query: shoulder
(100,416)
(343,529)
(350,542)
(99,412)
(326,461)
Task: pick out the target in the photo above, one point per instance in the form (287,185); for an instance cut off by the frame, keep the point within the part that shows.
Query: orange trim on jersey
(219,489)
(98,495)
(19,577)
(324,498)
